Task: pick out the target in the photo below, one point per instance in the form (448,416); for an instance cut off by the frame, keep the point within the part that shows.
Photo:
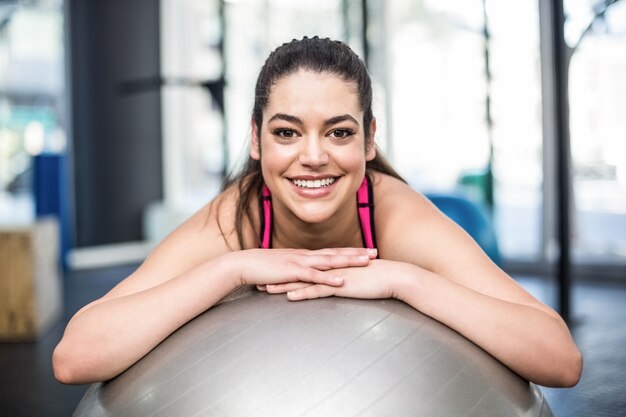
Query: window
(31,100)
(597,92)
(435,82)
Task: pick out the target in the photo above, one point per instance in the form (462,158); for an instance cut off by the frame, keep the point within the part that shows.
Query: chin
(312,215)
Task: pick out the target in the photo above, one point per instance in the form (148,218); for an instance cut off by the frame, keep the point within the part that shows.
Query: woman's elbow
(62,366)
(573,371)
(71,367)
(568,372)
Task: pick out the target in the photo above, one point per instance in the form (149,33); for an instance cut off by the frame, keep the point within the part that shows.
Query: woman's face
(312,146)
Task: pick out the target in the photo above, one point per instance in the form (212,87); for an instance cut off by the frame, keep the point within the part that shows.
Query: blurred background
(147,104)
(119,118)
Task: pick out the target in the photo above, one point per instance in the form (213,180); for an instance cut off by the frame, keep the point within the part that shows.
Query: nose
(313,153)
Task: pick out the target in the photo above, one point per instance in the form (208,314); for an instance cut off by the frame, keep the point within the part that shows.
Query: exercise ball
(262,355)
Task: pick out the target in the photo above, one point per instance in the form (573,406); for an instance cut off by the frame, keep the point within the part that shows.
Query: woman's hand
(280,266)
(371,281)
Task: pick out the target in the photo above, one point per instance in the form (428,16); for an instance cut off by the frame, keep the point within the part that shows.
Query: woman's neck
(341,230)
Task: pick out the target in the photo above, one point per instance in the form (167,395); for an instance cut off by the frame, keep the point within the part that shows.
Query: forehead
(308,93)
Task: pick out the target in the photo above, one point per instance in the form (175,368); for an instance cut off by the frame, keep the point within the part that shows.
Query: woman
(312,151)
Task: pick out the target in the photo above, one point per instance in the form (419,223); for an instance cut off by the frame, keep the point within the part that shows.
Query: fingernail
(337,280)
(372,251)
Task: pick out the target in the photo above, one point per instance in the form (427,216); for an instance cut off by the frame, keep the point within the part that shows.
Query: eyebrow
(298,121)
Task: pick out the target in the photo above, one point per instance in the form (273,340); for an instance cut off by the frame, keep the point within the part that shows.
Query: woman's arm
(109,334)
(108,337)
(433,265)
(531,341)
(528,339)
(456,283)
(187,273)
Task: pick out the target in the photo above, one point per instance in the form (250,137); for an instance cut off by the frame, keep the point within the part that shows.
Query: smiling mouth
(313,183)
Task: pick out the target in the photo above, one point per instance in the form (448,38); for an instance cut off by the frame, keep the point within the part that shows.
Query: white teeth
(314,183)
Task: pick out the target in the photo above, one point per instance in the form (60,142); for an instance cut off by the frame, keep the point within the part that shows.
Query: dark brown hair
(311,54)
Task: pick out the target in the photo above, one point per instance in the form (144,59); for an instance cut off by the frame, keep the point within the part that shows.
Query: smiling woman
(299,220)
(308,139)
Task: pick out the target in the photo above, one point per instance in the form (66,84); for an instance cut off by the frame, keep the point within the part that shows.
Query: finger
(311,292)
(316,276)
(338,251)
(324,262)
(283,288)
(371,253)
(260,287)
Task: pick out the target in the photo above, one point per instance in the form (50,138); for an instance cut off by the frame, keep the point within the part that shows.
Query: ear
(370,147)
(255,142)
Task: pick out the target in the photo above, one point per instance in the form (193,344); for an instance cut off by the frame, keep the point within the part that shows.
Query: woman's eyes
(341,133)
(285,133)
(336,133)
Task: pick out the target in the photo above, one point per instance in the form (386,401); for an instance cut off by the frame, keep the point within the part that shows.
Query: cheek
(352,159)
(275,156)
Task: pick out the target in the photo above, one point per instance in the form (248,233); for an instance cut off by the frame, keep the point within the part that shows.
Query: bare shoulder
(200,233)
(398,205)
(208,233)
(389,191)
(411,229)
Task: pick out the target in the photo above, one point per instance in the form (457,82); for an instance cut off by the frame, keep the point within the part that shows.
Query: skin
(313,129)
(298,142)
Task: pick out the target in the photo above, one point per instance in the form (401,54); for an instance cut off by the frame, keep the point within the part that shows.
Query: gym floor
(28,389)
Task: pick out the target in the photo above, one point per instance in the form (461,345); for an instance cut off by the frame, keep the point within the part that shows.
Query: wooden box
(30,284)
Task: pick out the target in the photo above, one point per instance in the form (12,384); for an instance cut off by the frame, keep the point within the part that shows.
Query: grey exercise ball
(261,355)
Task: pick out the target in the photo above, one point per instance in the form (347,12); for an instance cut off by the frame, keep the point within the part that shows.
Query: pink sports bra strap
(266,218)
(365,208)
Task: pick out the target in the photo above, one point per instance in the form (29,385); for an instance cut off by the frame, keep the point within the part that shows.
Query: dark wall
(116,114)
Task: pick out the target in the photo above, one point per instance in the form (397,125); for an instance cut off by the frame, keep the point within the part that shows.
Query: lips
(313,183)
(308,186)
